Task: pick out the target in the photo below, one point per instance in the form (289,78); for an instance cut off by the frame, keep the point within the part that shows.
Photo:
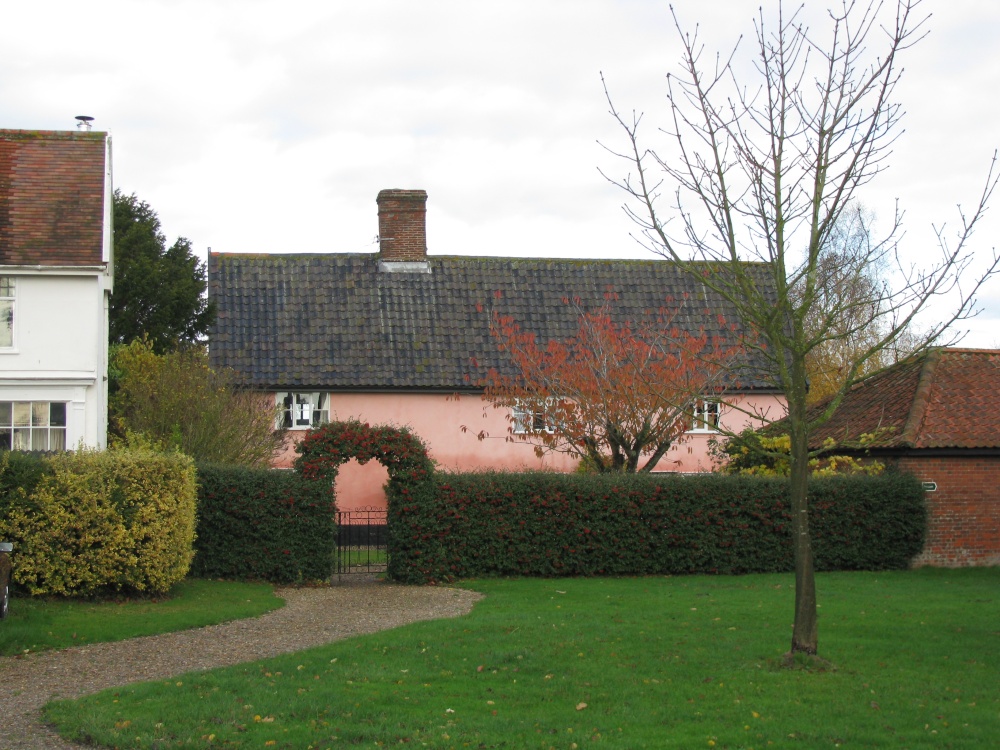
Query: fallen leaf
(580,706)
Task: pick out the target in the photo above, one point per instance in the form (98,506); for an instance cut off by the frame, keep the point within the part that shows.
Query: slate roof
(51,197)
(336,322)
(943,399)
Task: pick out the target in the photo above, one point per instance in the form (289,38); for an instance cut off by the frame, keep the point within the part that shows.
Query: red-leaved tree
(617,395)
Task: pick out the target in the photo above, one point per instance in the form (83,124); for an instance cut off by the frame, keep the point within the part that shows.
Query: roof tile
(335,321)
(51,197)
(940,399)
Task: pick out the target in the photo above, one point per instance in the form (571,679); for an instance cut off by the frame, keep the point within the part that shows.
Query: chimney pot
(402,225)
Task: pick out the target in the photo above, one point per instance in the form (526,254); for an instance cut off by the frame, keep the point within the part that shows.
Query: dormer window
(7,289)
(300,411)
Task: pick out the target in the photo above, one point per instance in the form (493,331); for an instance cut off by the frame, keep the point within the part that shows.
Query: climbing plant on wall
(404,455)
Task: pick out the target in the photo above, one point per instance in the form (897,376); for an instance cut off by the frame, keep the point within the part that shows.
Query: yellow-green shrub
(118,521)
(770,455)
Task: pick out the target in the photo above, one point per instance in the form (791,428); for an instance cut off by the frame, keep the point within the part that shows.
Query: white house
(56,275)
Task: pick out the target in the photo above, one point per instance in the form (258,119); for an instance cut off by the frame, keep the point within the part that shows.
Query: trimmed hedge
(263,524)
(546,524)
(20,473)
(92,523)
(411,472)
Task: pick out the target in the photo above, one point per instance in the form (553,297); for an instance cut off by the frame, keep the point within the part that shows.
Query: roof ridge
(921,396)
(454,257)
(13,134)
(968,350)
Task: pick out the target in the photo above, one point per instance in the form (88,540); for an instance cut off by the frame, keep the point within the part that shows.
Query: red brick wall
(963,513)
(402,225)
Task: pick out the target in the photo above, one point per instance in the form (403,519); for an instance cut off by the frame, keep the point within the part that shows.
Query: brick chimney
(402,225)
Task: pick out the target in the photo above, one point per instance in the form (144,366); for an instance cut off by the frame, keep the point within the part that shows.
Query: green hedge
(90,523)
(20,473)
(263,524)
(545,524)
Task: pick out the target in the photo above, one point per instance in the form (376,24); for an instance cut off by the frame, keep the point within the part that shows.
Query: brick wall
(402,225)
(963,513)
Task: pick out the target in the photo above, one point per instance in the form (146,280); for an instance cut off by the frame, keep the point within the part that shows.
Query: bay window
(32,426)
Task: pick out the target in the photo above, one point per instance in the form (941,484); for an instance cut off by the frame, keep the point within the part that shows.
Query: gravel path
(310,617)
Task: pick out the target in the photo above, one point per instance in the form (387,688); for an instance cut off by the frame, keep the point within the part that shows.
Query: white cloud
(265,126)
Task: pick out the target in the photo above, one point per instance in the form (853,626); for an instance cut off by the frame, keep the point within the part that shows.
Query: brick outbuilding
(933,416)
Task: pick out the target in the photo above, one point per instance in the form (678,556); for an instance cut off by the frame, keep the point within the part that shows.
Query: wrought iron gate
(361,542)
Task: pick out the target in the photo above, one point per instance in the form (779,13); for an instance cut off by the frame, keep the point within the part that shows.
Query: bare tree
(175,400)
(850,287)
(764,171)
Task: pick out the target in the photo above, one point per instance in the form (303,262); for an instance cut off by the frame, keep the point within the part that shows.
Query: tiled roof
(51,197)
(335,321)
(941,399)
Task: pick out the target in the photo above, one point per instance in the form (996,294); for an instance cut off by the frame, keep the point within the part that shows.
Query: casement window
(32,426)
(7,289)
(300,411)
(704,416)
(525,421)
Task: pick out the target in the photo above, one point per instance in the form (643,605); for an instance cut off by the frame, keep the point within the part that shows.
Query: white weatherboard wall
(60,346)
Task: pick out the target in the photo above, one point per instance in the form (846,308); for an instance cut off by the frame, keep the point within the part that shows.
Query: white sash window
(7,289)
(300,411)
(32,426)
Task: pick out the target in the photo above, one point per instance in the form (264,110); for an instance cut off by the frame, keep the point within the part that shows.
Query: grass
(39,624)
(365,557)
(689,662)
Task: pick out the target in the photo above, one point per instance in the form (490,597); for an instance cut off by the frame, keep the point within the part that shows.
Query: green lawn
(363,557)
(38,624)
(687,662)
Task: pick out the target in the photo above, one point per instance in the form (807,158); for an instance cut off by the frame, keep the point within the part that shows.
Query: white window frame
(519,420)
(302,410)
(8,294)
(705,415)
(33,421)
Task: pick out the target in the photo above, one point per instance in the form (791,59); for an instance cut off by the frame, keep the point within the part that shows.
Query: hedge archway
(411,471)
(325,448)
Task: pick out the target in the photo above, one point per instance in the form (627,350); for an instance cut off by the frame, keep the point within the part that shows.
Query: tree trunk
(804,631)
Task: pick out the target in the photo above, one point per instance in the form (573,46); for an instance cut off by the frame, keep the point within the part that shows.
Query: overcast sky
(260,126)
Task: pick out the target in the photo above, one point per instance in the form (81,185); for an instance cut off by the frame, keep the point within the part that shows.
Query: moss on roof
(334,321)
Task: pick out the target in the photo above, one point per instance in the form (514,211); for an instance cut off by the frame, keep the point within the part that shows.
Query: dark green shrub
(263,524)
(867,524)
(546,524)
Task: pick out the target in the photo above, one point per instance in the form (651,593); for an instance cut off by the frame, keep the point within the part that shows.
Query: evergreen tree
(159,291)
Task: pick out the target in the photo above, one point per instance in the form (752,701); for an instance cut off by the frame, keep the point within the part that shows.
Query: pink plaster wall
(438,419)
(691,455)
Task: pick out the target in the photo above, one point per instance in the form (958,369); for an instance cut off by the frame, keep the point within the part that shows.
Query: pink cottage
(402,337)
